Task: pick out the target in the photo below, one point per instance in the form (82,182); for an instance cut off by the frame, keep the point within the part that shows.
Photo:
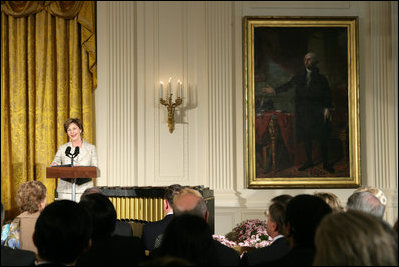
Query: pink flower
(249,233)
(222,239)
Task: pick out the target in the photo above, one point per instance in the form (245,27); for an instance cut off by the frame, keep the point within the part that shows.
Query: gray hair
(366,202)
(314,57)
(199,210)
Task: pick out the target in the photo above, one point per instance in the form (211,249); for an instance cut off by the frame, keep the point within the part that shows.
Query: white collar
(277,237)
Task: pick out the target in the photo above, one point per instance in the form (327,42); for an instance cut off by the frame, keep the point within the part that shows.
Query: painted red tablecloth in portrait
(284,126)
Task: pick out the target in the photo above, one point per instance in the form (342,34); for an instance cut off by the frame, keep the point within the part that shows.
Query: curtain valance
(83,10)
(64,9)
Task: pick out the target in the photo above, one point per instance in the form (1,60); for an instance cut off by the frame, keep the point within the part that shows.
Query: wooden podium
(73,173)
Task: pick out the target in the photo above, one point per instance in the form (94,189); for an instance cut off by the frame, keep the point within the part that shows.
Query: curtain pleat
(48,68)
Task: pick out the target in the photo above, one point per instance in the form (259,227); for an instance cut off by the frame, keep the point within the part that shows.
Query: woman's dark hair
(189,237)
(304,213)
(77,121)
(172,191)
(62,232)
(102,212)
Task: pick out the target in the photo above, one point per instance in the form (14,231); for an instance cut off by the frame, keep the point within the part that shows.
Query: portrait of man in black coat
(312,109)
(301,101)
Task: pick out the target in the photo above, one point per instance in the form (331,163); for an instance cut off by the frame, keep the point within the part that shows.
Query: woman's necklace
(77,143)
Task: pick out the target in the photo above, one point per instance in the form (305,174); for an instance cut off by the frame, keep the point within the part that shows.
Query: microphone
(76,151)
(68,151)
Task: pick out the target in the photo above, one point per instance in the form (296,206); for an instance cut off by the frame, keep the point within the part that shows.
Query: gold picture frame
(301,126)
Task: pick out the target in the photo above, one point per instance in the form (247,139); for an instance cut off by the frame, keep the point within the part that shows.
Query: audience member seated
(332,200)
(284,199)
(274,227)
(152,230)
(355,238)
(190,201)
(189,237)
(108,250)
(62,233)
(15,257)
(378,193)
(366,202)
(166,261)
(121,228)
(303,215)
(31,200)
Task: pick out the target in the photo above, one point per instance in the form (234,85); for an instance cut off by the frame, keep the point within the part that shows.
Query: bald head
(190,201)
(366,202)
(378,193)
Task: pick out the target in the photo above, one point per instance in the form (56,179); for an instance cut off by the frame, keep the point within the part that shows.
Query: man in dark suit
(15,257)
(313,104)
(153,229)
(279,246)
(190,201)
(121,228)
(108,249)
(62,233)
(304,213)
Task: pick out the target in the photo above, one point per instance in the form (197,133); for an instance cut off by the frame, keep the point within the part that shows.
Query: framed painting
(302,102)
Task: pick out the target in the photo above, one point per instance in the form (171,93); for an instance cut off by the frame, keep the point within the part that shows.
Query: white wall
(141,43)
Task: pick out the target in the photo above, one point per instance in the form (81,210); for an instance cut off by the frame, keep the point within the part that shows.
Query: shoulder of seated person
(219,245)
(150,224)
(26,214)
(127,239)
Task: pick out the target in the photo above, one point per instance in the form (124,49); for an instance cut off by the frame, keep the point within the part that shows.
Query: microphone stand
(72,156)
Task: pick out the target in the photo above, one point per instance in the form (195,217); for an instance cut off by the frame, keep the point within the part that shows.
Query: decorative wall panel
(220,94)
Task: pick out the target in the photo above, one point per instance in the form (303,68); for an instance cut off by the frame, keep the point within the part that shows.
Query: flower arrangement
(249,233)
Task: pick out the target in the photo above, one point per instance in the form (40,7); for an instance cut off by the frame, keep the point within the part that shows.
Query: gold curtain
(48,74)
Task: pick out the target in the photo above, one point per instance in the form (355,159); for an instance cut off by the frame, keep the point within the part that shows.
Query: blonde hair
(30,195)
(331,199)
(188,191)
(355,238)
(198,209)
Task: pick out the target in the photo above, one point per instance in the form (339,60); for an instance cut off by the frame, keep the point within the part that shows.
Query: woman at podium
(77,152)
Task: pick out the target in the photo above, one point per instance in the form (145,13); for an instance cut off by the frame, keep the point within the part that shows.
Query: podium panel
(72,172)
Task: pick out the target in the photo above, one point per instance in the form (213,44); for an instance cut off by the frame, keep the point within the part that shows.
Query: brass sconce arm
(171,110)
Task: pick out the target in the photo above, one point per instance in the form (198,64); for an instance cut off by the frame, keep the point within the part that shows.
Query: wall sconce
(169,104)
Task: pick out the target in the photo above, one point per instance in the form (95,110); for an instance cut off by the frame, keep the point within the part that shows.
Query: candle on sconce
(161,90)
(169,103)
(170,86)
(178,88)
